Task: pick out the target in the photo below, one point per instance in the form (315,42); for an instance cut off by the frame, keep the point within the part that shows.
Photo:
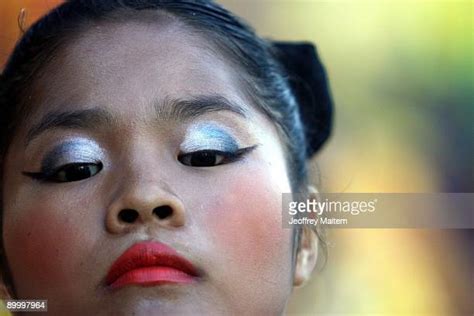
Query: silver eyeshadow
(72,151)
(208,136)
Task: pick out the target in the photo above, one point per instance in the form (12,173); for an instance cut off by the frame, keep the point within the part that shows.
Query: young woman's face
(136,104)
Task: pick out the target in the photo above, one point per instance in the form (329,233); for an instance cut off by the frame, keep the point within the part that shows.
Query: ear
(307,255)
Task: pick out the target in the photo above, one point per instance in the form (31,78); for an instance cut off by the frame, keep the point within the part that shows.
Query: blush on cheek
(246,223)
(40,249)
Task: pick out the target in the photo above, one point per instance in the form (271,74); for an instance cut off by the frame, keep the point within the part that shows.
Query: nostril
(163,211)
(128,215)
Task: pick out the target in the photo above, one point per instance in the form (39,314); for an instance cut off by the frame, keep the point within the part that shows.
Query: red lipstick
(148,264)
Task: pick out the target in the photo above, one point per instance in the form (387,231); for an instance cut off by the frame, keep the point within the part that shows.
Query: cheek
(247,225)
(43,247)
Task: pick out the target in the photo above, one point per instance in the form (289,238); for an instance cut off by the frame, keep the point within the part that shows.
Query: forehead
(125,65)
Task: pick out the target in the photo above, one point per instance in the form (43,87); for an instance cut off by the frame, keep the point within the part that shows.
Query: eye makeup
(208,136)
(71,151)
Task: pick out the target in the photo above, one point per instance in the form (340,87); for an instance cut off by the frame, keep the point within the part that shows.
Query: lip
(149,264)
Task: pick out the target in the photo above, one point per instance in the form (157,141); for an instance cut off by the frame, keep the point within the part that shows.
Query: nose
(145,205)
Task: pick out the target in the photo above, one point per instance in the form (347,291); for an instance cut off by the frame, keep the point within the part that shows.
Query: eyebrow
(169,109)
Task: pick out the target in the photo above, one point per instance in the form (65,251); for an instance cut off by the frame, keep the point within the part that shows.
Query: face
(140,140)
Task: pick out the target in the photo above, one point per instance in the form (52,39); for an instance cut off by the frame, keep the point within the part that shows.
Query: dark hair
(267,81)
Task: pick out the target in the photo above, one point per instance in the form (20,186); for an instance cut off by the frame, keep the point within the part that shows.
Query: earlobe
(307,255)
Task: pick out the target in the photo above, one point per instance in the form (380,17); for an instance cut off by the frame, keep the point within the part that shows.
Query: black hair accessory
(310,86)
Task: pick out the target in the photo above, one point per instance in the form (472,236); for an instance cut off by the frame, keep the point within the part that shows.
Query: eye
(76,172)
(211,158)
(68,173)
(204,158)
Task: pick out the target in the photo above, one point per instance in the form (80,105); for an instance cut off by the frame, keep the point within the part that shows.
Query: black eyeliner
(41,176)
(232,156)
(240,153)
(47,175)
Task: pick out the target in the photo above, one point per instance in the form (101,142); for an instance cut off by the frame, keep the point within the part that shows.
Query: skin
(60,239)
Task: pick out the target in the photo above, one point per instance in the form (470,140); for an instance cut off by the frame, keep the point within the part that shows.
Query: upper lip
(149,254)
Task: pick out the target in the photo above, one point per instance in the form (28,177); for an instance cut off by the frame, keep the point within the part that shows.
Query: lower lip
(150,276)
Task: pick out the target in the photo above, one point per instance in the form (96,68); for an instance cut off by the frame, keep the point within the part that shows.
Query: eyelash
(227,157)
(54,175)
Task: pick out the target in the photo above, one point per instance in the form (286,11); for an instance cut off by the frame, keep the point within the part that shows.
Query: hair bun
(310,86)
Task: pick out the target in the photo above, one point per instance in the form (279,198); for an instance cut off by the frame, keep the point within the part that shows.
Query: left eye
(204,158)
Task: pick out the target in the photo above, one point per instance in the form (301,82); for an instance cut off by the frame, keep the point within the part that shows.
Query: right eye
(68,173)
(76,172)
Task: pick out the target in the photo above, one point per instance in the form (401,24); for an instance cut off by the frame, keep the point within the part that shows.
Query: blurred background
(401,75)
